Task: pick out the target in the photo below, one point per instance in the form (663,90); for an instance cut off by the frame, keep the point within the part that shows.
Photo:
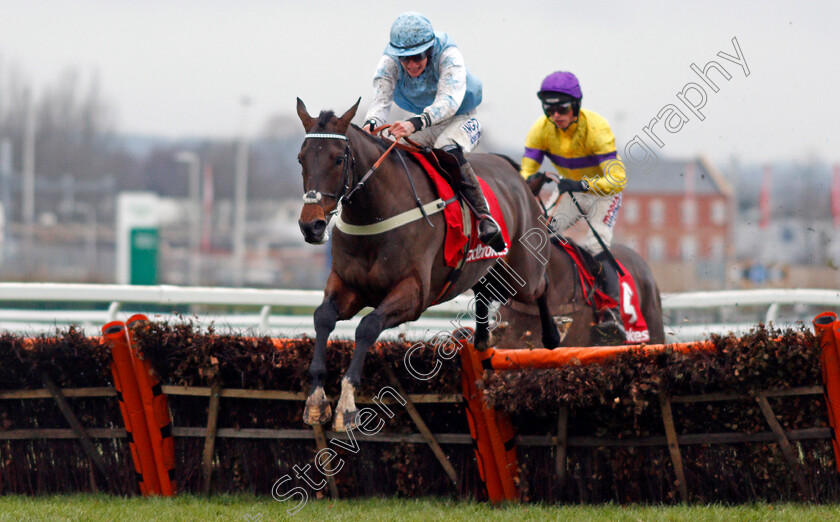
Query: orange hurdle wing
(132,408)
(156,411)
(825,325)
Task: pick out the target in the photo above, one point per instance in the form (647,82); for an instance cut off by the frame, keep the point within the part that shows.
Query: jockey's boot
(488,230)
(610,326)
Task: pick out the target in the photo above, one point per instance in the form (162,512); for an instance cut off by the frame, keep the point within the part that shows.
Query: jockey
(424,73)
(581,146)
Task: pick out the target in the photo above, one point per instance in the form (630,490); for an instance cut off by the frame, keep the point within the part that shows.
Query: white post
(240,199)
(5,191)
(194,198)
(28,204)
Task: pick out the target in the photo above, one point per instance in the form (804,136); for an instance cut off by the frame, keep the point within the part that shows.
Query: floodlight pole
(192,161)
(240,199)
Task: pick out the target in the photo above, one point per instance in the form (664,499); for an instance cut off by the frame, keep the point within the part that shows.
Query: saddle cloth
(457,243)
(631,311)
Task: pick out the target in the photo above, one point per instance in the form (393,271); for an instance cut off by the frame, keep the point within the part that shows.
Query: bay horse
(399,272)
(565,300)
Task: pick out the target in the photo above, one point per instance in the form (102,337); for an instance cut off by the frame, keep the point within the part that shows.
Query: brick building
(679,211)
(680,218)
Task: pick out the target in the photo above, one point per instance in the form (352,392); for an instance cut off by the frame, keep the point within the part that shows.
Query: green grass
(263,509)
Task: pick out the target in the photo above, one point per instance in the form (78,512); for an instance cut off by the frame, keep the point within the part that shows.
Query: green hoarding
(143,256)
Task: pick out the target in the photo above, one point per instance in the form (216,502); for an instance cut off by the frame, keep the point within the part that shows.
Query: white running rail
(261,302)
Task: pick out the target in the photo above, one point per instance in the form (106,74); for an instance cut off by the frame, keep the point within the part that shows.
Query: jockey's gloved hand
(570,185)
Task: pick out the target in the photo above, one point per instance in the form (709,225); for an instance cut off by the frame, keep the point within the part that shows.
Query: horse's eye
(339,160)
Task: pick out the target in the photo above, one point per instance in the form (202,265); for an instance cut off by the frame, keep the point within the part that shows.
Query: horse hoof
(345,420)
(313,415)
(317,409)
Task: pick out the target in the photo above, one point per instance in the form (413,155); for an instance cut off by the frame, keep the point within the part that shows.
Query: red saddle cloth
(455,248)
(631,311)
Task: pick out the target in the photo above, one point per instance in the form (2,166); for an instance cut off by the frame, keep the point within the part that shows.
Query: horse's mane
(370,137)
(509,160)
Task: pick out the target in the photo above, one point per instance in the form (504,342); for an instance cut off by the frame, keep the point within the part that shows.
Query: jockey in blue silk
(581,146)
(424,73)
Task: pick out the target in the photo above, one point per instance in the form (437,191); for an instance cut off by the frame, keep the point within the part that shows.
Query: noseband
(313,196)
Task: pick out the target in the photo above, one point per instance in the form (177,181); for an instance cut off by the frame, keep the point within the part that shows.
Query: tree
(74,133)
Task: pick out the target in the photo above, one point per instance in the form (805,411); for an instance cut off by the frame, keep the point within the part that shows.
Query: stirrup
(494,241)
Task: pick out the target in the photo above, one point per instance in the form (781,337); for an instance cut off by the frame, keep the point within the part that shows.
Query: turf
(262,509)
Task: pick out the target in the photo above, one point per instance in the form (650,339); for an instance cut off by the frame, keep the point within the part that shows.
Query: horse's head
(327,168)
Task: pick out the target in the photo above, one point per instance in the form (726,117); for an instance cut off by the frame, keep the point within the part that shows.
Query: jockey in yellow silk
(581,146)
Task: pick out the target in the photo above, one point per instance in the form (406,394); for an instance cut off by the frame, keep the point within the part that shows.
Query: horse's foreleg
(399,306)
(340,304)
(317,409)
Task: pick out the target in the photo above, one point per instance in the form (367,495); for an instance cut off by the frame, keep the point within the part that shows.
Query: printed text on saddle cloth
(631,312)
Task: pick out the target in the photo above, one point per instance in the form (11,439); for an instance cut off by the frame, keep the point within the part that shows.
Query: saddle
(462,244)
(589,272)
(446,165)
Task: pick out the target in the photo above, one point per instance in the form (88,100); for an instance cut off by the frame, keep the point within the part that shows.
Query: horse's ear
(347,117)
(304,116)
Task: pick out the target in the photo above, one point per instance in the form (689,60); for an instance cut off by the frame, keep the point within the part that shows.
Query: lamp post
(28,183)
(240,198)
(193,163)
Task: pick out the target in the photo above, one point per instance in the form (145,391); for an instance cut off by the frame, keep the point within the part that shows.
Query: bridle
(314,196)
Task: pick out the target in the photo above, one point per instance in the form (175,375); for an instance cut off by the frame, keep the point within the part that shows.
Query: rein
(422,211)
(411,147)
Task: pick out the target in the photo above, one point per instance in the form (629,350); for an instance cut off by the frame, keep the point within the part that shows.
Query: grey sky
(179,68)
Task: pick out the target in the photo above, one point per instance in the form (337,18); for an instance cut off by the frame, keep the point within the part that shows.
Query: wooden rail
(561,441)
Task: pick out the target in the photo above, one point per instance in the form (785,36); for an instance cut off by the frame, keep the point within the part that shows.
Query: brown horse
(401,271)
(566,301)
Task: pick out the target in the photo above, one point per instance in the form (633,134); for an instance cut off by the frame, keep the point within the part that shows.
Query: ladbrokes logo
(484,252)
(638,336)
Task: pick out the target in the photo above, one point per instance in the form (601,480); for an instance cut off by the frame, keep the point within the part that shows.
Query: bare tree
(74,132)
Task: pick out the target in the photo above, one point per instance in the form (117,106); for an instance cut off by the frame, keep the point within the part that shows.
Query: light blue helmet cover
(411,33)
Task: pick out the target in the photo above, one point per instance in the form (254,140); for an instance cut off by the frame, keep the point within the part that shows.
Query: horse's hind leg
(483,337)
(550,334)
(399,306)
(340,303)
(487,292)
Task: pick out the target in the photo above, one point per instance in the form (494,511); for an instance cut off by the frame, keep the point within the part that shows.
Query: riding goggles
(416,58)
(560,108)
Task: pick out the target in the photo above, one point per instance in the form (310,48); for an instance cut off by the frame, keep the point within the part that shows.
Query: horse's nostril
(313,230)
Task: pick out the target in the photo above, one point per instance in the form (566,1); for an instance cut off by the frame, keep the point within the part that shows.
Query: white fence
(232,309)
